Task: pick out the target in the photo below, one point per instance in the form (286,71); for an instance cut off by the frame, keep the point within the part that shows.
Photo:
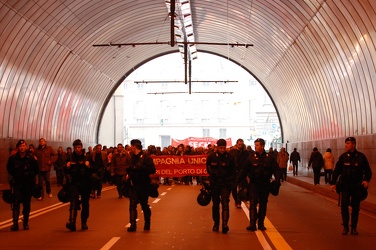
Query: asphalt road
(296,219)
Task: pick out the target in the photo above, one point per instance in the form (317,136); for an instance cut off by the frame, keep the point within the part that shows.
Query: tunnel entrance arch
(226,101)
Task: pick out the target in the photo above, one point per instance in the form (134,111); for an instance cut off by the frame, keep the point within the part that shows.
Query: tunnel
(61,61)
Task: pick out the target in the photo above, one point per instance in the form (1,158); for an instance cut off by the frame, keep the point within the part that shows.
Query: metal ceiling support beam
(190,76)
(168,43)
(172,29)
(168,81)
(185,63)
(166,93)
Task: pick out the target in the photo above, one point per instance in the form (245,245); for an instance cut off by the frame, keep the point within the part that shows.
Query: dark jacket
(98,161)
(78,173)
(240,157)
(22,170)
(295,156)
(354,168)
(61,161)
(316,160)
(260,168)
(141,166)
(221,170)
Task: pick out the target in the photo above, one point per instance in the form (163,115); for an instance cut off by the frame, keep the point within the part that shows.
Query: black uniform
(221,170)
(240,157)
(139,171)
(259,169)
(23,172)
(354,169)
(78,183)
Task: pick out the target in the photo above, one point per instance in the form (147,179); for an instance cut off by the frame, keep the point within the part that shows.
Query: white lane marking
(156,200)
(264,243)
(108,188)
(110,243)
(34,214)
(164,193)
(44,210)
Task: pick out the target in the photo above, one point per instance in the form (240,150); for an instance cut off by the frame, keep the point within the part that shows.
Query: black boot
(261,216)
(345,221)
(84,225)
(252,219)
(216,218)
(260,223)
(133,218)
(216,227)
(345,230)
(354,222)
(15,215)
(71,224)
(26,222)
(225,217)
(147,216)
(147,225)
(353,231)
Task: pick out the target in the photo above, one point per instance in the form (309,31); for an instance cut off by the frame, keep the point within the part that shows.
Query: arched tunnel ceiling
(316,59)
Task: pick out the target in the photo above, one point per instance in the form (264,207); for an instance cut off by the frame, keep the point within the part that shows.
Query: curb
(364,205)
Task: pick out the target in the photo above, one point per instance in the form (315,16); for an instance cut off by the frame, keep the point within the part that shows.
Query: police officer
(78,173)
(220,166)
(259,168)
(141,166)
(23,169)
(355,172)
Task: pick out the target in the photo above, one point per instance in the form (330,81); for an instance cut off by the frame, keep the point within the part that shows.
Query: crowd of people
(82,173)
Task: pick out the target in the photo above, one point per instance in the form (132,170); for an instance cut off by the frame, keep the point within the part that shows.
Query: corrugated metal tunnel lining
(315,58)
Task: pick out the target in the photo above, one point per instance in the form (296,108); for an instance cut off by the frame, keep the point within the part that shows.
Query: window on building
(222,133)
(165,141)
(206,132)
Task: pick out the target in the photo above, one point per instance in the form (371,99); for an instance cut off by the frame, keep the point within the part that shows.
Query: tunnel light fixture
(183,27)
(173,81)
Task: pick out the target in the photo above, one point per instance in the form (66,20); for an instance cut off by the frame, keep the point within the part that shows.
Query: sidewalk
(305,180)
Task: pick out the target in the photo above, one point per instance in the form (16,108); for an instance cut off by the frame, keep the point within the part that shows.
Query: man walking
(22,168)
(294,159)
(355,174)
(220,166)
(46,157)
(259,168)
(138,176)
